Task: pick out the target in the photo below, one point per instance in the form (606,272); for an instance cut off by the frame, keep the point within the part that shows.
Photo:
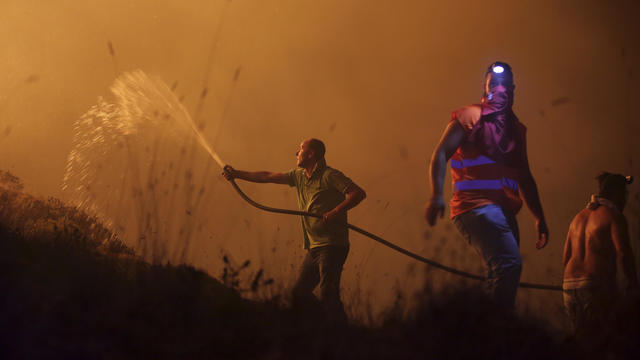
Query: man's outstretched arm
(255,176)
(451,140)
(567,249)
(532,199)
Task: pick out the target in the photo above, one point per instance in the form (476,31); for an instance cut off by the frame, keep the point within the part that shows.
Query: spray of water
(129,166)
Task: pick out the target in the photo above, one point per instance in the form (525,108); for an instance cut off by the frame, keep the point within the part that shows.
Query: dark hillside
(70,290)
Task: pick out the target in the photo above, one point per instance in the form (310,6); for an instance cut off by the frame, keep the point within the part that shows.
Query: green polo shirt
(321,193)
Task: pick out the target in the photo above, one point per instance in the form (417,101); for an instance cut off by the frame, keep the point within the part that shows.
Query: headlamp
(497,69)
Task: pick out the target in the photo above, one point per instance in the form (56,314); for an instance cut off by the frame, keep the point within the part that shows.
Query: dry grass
(69,289)
(136,165)
(51,220)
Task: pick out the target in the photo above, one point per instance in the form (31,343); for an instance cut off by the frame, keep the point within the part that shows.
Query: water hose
(385,243)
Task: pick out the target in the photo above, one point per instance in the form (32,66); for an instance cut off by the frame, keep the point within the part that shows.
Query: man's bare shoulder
(581,218)
(605,213)
(467,116)
(616,217)
(601,217)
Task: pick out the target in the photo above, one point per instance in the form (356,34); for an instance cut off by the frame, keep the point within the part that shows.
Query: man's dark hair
(504,78)
(609,183)
(318,148)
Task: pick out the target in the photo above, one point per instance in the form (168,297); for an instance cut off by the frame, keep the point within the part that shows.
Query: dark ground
(70,290)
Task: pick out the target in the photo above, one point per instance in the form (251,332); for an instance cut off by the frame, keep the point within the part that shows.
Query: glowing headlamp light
(497,69)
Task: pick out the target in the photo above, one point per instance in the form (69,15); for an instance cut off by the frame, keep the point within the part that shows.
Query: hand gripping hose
(386,243)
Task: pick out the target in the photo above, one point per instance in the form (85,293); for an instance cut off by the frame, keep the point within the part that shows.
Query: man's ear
(312,153)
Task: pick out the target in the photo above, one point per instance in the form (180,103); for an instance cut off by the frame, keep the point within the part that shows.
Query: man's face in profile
(304,154)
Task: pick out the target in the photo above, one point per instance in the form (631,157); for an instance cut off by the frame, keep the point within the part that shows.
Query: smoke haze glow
(375,81)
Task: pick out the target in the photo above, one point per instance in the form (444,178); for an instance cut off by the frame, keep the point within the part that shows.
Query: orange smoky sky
(376,80)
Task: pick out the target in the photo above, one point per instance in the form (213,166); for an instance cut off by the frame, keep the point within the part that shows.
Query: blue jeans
(493,233)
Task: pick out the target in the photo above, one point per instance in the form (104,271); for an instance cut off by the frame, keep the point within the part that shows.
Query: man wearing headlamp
(486,144)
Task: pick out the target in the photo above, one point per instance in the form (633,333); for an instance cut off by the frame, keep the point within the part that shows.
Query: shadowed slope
(69,289)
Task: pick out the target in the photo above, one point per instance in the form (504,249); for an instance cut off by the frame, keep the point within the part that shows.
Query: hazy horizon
(376,82)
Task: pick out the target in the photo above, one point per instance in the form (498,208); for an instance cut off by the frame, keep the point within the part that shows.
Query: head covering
(496,133)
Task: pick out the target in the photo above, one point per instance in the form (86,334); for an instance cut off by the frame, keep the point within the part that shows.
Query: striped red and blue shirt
(479,180)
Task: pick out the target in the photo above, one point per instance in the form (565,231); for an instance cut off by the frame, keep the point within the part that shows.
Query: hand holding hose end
(229,172)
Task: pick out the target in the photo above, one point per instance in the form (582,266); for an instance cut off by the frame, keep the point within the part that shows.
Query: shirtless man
(597,236)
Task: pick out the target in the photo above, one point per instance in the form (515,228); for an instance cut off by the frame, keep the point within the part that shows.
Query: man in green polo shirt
(321,190)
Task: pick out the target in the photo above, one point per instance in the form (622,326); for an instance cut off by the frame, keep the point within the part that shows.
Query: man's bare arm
(255,176)
(451,140)
(567,249)
(353,196)
(532,198)
(620,237)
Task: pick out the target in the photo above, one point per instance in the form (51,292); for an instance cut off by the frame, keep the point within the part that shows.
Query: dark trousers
(589,307)
(322,266)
